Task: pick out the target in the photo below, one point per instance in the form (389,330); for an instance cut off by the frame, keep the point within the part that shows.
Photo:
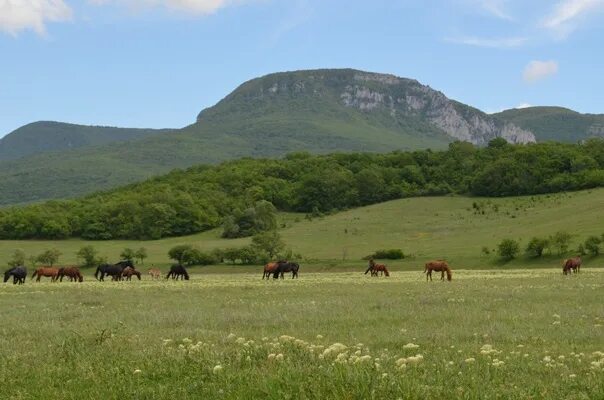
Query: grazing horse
(572,265)
(18,273)
(73,273)
(269,269)
(114,270)
(176,271)
(375,268)
(129,271)
(286,266)
(51,272)
(438,265)
(155,273)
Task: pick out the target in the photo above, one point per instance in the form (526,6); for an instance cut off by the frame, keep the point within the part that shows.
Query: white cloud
(192,6)
(19,15)
(566,15)
(496,8)
(486,42)
(538,70)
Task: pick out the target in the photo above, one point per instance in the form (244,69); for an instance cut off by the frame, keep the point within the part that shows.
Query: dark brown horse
(377,268)
(129,271)
(438,265)
(572,265)
(51,272)
(73,273)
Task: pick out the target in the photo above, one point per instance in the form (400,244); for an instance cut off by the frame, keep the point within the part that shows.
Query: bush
(508,249)
(561,241)
(592,245)
(198,257)
(391,254)
(537,246)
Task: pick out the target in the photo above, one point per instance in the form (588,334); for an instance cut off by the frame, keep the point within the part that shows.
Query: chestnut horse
(51,272)
(129,271)
(73,273)
(375,268)
(572,265)
(438,265)
(269,269)
(155,273)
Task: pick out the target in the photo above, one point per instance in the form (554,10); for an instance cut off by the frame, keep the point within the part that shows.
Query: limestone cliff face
(383,99)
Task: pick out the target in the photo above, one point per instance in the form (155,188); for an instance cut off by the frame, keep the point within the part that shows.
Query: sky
(157,63)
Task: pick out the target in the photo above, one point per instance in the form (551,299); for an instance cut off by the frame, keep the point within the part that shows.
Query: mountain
(48,136)
(318,111)
(555,123)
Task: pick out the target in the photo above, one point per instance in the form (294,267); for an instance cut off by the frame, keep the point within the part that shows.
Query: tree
(180,253)
(127,254)
(536,246)
(268,242)
(49,257)
(141,254)
(88,254)
(17,259)
(592,245)
(561,240)
(508,249)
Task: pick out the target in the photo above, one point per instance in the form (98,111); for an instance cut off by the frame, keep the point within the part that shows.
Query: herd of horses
(125,270)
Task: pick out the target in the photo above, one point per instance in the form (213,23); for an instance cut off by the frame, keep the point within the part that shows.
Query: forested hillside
(202,197)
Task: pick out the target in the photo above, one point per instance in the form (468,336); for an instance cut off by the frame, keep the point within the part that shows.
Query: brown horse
(73,273)
(376,268)
(51,272)
(269,269)
(572,265)
(129,271)
(155,273)
(438,265)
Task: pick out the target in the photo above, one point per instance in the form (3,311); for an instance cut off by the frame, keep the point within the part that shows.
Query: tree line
(243,195)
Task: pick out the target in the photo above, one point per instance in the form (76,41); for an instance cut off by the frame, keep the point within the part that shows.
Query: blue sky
(157,63)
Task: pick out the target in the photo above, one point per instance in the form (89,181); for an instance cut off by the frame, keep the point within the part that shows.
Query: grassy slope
(555,123)
(426,228)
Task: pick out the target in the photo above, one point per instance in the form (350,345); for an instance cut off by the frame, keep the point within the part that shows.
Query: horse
(73,273)
(572,265)
(155,273)
(286,266)
(18,273)
(176,271)
(438,265)
(375,268)
(114,270)
(51,272)
(129,271)
(269,269)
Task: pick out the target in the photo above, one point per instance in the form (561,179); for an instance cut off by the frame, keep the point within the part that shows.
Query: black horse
(286,266)
(18,273)
(114,270)
(176,271)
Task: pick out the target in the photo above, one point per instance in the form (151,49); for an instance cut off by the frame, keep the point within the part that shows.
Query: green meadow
(451,228)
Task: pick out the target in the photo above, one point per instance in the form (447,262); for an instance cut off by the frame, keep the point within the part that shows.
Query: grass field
(425,228)
(511,334)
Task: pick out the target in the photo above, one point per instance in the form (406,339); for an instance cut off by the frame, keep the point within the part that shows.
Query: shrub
(592,245)
(390,254)
(537,246)
(560,241)
(508,249)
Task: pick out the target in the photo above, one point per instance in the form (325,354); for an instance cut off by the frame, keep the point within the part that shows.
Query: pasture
(425,228)
(513,334)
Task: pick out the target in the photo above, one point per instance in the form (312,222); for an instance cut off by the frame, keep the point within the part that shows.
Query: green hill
(425,228)
(318,111)
(48,136)
(555,123)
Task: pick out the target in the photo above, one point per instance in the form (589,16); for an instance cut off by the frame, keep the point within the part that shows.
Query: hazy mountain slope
(555,123)
(318,111)
(47,136)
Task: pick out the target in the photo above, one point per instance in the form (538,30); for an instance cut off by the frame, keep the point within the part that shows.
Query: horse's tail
(449,273)
(426,267)
(96,273)
(34,274)
(386,271)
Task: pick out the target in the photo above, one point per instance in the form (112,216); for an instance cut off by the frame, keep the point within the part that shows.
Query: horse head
(7,274)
